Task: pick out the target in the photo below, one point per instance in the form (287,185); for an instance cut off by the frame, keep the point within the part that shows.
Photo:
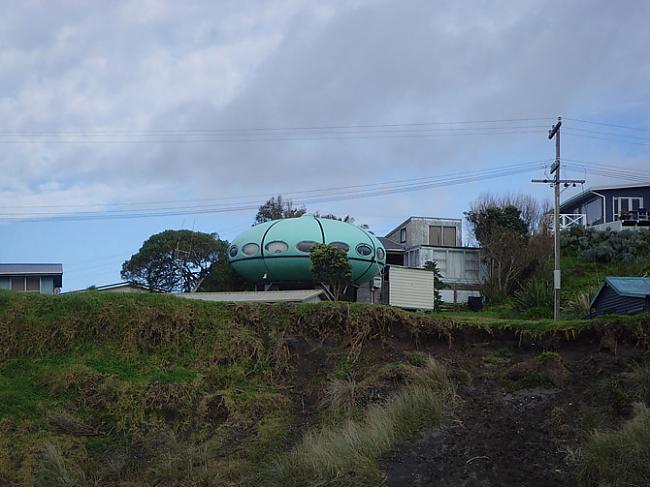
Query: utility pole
(555,183)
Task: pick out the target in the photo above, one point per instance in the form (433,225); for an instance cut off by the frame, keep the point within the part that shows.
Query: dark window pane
(449,236)
(305,246)
(33,284)
(341,246)
(233,251)
(381,254)
(435,235)
(363,249)
(17,283)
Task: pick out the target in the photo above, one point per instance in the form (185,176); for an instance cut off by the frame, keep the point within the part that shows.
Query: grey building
(621,295)
(35,278)
(419,240)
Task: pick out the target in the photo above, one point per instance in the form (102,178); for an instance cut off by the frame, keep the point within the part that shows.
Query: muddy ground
(521,416)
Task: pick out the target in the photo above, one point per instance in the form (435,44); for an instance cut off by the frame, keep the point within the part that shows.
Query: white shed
(410,288)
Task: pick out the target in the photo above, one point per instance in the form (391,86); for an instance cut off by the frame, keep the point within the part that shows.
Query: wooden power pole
(555,183)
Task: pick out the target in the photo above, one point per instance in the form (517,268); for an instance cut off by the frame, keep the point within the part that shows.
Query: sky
(197,107)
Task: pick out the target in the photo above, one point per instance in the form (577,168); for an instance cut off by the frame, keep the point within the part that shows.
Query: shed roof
(298,295)
(20,269)
(631,287)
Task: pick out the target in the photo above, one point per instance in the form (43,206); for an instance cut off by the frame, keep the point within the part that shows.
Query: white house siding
(457,265)
(410,288)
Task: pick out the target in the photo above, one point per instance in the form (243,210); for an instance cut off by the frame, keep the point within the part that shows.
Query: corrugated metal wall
(410,288)
(610,302)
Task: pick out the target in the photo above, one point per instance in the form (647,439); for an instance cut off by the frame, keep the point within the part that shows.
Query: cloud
(154,66)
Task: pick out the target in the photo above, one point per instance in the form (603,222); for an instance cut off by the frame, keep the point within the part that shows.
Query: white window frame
(617,203)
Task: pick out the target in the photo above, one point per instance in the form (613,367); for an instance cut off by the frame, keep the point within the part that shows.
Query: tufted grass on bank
(347,455)
(618,458)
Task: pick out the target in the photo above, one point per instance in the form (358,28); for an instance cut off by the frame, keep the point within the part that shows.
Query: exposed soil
(518,429)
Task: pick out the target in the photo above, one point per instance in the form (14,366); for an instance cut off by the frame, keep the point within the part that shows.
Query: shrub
(535,300)
(605,246)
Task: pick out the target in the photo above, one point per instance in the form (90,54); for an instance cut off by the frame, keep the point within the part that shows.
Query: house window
(17,283)
(29,284)
(33,284)
(594,211)
(442,235)
(402,235)
(623,205)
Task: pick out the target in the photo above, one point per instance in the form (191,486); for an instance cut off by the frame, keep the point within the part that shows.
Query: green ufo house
(278,250)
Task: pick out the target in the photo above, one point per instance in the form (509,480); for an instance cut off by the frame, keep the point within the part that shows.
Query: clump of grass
(641,379)
(619,458)
(347,455)
(341,396)
(55,472)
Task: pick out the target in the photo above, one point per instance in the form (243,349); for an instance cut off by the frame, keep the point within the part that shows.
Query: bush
(535,300)
(605,246)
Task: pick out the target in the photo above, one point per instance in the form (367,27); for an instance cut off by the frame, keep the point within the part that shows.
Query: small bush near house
(619,458)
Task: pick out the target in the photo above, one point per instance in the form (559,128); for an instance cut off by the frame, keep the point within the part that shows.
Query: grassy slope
(157,388)
(153,387)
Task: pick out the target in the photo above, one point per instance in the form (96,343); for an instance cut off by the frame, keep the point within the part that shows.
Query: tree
(531,212)
(174,260)
(331,216)
(331,267)
(222,276)
(437,283)
(277,208)
(503,235)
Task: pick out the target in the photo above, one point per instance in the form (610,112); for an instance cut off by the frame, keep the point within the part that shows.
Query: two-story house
(615,207)
(421,239)
(35,278)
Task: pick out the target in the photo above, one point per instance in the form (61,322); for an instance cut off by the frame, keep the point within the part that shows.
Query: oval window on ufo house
(276,247)
(233,251)
(305,245)
(340,245)
(250,249)
(364,249)
(381,254)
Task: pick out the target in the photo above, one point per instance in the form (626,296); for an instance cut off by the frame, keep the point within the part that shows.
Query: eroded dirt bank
(522,414)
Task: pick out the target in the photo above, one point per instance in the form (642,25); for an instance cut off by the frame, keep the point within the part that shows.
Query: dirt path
(501,438)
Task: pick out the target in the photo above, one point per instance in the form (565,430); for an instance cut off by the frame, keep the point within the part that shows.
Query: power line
(340,196)
(572,134)
(591,122)
(289,194)
(291,128)
(285,138)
